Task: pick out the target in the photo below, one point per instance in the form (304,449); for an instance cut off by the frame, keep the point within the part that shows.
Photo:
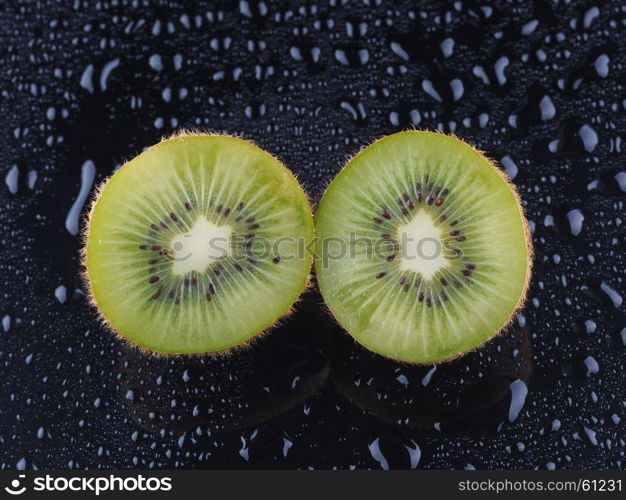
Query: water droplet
(88,174)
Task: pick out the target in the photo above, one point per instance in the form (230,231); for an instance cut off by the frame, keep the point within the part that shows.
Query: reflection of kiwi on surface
(193,246)
(248,387)
(468,393)
(423,249)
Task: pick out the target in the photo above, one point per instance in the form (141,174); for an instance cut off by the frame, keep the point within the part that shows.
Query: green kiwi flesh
(423,251)
(193,246)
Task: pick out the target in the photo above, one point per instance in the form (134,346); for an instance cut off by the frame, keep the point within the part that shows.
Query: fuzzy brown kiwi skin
(84,272)
(527,238)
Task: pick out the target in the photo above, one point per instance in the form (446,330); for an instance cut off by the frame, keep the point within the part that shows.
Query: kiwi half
(195,245)
(423,249)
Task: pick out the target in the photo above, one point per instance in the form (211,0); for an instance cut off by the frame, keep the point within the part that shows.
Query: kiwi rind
(138,345)
(525,228)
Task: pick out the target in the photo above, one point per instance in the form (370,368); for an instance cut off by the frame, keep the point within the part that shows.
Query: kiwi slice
(196,245)
(423,249)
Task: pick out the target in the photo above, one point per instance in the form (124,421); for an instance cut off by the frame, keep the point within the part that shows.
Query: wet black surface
(538,85)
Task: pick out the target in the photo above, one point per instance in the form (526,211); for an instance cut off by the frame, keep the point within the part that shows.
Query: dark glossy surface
(538,85)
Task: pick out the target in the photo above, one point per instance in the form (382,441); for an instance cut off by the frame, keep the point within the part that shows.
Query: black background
(312,83)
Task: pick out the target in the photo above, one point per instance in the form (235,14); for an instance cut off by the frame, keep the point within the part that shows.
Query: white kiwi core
(198,248)
(421,244)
